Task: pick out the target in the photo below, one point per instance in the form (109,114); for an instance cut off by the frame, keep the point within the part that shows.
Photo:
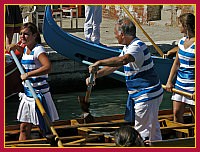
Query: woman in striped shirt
(37,66)
(184,68)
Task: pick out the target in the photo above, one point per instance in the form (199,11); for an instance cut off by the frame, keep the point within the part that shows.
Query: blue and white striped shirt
(142,81)
(30,62)
(186,72)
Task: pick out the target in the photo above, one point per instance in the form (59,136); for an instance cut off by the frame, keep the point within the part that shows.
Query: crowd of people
(144,88)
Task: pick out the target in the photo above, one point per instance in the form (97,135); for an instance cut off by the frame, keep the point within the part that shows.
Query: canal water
(102,102)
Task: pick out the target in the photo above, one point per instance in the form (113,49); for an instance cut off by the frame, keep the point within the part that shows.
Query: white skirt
(180,98)
(27,113)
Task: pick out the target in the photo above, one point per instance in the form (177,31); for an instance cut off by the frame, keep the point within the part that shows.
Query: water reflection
(102,102)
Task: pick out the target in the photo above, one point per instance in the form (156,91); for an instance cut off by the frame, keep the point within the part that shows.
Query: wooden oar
(84,140)
(179,92)
(164,87)
(89,87)
(38,103)
(84,101)
(140,27)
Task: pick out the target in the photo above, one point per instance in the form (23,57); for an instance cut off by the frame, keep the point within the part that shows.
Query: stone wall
(145,14)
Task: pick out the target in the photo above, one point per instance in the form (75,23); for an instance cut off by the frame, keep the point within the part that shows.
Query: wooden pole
(38,103)
(140,27)
(179,92)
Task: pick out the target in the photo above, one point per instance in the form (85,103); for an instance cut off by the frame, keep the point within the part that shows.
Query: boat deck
(100,133)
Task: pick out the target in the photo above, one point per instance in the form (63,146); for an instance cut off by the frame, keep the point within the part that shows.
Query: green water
(103,102)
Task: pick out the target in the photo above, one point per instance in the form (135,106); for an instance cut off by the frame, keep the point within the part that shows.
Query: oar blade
(88,118)
(84,105)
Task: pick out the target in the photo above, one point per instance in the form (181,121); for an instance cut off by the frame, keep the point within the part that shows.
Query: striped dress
(186,72)
(28,111)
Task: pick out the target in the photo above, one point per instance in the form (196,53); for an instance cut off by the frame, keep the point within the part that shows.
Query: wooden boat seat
(165,125)
(67,140)
(16,131)
(76,133)
(179,142)
(66,145)
(12,131)
(84,141)
(179,129)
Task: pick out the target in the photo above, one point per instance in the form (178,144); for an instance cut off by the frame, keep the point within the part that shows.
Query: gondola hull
(80,50)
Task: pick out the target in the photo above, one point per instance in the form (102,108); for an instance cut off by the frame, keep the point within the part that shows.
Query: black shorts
(13,17)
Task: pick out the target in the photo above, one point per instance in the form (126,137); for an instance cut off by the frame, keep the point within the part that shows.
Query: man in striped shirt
(143,84)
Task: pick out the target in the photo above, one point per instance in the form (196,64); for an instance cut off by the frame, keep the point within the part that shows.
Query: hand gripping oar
(40,107)
(163,86)
(140,27)
(89,87)
(84,101)
(179,92)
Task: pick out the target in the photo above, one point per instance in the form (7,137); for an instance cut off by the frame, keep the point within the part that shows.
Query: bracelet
(27,74)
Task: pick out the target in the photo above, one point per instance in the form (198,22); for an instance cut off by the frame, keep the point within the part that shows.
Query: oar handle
(89,87)
(22,72)
(179,92)
(92,77)
(116,72)
(134,20)
(38,103)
